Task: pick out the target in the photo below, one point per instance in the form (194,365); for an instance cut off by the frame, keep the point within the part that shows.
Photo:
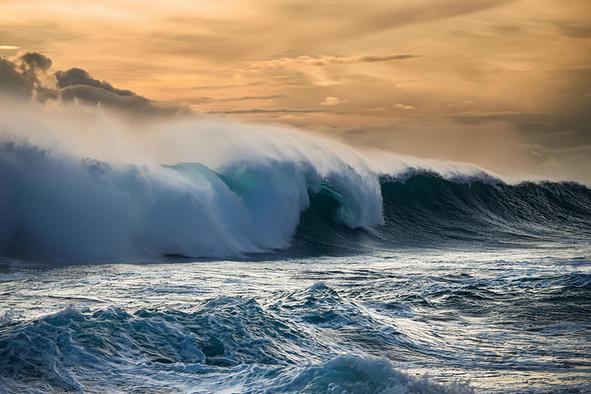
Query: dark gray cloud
(12,80)
(128,103)
(21,77)
(29,76)
(36,60)
(78,76)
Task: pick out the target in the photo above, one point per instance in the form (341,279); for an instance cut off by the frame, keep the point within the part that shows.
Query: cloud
(373,58)
(128,103)
(321,61)
(12,80)
(269,110)
(248,98)
(23,77)
(420,12)
(77,76)
(564,121)
(573,29)
(28,76)
(207,100)
(225,86)
(36,60)
(331,100)
(354,19)
(404,106)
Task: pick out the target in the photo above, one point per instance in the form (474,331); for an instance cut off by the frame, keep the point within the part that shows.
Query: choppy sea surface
(418,321)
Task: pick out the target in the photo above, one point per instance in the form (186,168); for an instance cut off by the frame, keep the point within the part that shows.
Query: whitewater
(200,255)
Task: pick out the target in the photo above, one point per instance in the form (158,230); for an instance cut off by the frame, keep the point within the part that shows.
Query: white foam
(357,374)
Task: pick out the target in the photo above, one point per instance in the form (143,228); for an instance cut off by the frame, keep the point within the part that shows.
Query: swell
(59,207)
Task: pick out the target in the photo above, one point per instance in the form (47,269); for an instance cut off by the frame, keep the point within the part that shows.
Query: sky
(505,84)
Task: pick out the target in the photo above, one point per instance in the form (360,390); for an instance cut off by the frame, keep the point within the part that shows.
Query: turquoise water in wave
(424,321)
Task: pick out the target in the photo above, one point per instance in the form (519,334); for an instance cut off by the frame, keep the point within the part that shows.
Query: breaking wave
(277,191)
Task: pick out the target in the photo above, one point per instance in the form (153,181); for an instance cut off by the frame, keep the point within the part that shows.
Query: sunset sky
(501,83)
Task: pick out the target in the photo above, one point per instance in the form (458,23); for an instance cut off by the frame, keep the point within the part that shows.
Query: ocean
(288,274)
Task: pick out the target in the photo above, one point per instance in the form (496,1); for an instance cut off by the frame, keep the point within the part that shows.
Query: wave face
(56,206)
(428,208)
(425,209)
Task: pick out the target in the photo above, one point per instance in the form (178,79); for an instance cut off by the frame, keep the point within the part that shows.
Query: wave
(217,194)
(61,207)
(58,206)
